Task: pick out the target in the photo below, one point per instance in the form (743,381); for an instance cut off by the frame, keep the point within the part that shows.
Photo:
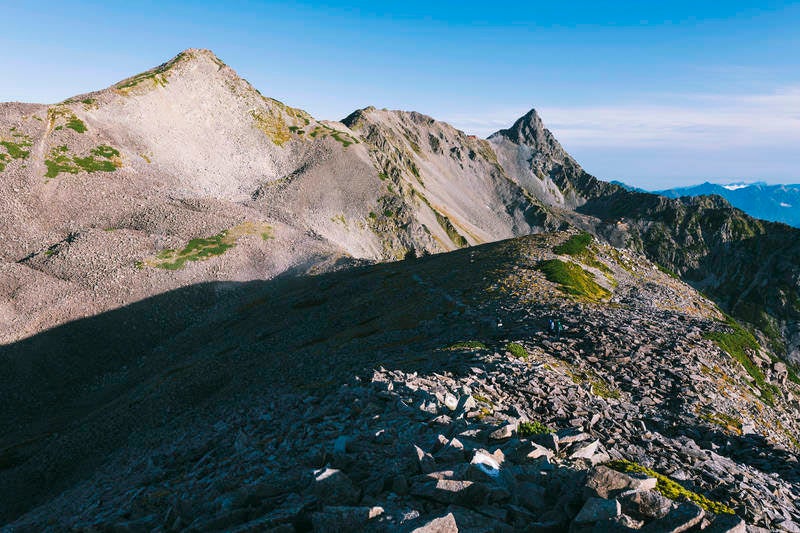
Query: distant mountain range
(776,203)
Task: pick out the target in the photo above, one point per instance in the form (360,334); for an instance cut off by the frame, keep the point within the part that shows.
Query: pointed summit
(529,130)
(189,59)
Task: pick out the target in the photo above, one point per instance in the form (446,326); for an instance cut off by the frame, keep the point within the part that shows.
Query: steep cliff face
(451,182)
(533,157)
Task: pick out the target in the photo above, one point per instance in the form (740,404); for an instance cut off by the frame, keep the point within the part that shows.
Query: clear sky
(652,93)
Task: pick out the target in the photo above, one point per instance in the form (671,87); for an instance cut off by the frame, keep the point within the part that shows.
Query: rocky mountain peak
(185,64)
(529,130)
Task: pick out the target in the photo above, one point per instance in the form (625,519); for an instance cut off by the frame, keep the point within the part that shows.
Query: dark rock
(333,487)
(447,491)
(726,523)
(343,519)
(548,440)
(597,509)
(645,504)
(682,518)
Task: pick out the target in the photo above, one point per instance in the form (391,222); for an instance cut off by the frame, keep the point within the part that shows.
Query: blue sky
(653,93)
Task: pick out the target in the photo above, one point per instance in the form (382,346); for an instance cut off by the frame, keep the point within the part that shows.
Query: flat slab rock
(604,482)
(684,517)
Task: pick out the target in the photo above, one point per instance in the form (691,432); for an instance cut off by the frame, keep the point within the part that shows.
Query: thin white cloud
(699,121)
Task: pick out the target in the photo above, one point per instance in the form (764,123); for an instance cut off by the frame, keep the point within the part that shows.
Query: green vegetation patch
(517,350)
(343,138)
(195,250)
(105,151)
(74,123)
(467,345)
(736,343)
(457,239)
(730,423)
(62,113)
(572,279)
(156,77)
(575,245)
(273,125)
(204,248)
(671,489)
(16,149)
(599,386)
(527,429)
(578,246)
(59,161)
(602,389)
(326,131)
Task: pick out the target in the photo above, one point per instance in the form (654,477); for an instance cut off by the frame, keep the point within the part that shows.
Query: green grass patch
(602,389)
(572,279)
(517,350)
(59,161)
(204,248)
(104,151)
(735,343)
(458,239)
(527,429)
(74,123)
(575,245)
(793,373)
(16,150)
(467,345)
(157,76)
(578,246)
(671,489)
(196,250)
(343,138)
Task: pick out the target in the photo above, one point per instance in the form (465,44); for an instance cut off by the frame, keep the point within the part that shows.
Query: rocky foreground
(631,418)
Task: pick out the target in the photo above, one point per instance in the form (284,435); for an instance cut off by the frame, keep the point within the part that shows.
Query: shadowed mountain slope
(87,401)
